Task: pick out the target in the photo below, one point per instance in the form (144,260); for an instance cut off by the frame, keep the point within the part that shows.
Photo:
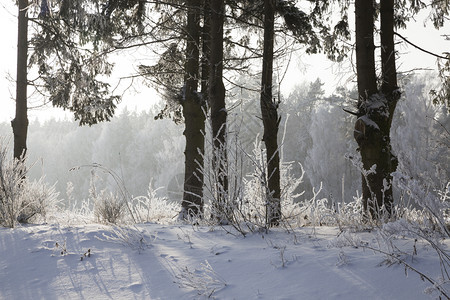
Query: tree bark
(206,34)
(366,134)
(375,108)
(391,92)
(218,110)
(388,66)
(365,55)
(270,118)
(389,86)
(193,105)
(20,122)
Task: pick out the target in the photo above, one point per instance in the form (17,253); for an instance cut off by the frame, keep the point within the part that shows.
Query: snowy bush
(243,205)
(22,200)
(421,135)
(39,201)
(108,207)
(435,205)
(11,178)
(421,142)
(153,208)
(256,196)
(246,202)
(221,204)
(121,206)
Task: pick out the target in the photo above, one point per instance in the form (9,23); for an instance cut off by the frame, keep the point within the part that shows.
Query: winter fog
(316,136)
(225,149)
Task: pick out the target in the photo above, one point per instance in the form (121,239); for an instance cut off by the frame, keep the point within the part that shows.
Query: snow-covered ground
(154,261)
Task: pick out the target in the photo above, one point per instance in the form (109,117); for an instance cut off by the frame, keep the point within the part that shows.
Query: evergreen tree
(68,46)
(71,44)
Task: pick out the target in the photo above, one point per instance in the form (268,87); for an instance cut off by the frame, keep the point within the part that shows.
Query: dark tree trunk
(270,118)
(194,117)
(375,110)
(206,34)
(390,91)
(365,132)
(389,86)
(365,55)
(20,122)
(218,111)
(388,67)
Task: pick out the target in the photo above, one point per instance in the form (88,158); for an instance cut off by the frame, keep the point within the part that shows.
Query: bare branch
(420,48)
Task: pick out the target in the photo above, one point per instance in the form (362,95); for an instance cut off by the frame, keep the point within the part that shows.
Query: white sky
(302,68)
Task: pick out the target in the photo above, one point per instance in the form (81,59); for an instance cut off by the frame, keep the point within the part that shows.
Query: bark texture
(218,109)
(270,118)
(375,107)
(206,34)
(391,93)
(193,112)
(20,122)
(365,49)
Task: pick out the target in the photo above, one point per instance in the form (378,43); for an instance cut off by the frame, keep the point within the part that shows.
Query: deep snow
(154,261)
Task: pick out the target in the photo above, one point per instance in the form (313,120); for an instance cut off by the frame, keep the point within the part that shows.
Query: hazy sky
(305,68)
(138,97)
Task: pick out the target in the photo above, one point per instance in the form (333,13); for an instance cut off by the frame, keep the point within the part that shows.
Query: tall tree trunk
(218,111)
(375,108)
(192,204)
(20,122)
(391,93)
(270,118)
(365,128)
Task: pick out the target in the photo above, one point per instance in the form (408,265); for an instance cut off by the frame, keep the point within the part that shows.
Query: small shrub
(22,200)
(109,207)
(12,174)
(38,200)
(152,208)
